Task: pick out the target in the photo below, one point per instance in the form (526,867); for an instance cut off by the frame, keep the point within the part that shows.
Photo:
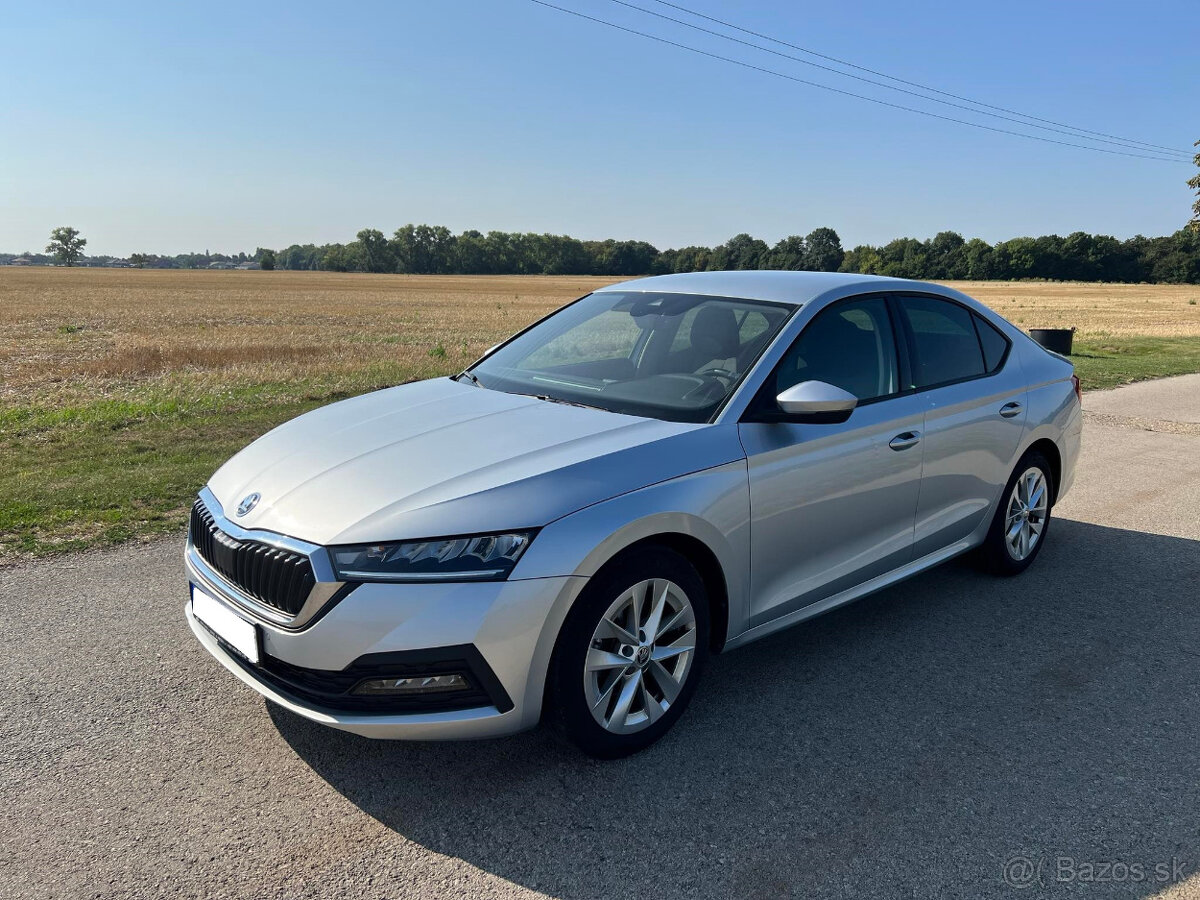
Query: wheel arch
(706,563)
(690,547)
(1050,450)
(703,516)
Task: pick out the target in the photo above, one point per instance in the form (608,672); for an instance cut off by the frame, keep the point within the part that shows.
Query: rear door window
(945,346)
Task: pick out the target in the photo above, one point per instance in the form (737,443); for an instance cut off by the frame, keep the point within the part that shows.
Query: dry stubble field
(121,390)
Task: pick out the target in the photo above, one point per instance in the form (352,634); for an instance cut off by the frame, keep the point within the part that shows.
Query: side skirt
(855,593)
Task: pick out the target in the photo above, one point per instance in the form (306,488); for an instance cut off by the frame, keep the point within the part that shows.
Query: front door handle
(1008,410)
(906,440)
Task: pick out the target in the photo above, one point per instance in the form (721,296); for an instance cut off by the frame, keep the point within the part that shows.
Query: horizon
(250,252)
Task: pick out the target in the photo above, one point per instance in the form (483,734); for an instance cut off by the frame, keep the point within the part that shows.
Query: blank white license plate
(235,631)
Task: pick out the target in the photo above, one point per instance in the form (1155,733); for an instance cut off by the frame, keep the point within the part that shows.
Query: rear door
(974,417)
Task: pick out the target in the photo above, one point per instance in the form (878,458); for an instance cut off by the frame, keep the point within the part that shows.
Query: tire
(1001,554)
(639,683)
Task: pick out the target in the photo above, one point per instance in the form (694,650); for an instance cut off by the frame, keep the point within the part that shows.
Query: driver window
(850,345)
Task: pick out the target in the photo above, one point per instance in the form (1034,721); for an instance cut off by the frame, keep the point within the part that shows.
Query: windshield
(667,356)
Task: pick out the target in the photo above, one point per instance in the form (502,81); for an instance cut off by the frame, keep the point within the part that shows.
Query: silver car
(662,470)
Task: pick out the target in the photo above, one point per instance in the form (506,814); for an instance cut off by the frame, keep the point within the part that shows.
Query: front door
(832,505)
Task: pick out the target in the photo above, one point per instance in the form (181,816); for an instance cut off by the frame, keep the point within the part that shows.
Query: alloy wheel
(640,656)
(1028,506)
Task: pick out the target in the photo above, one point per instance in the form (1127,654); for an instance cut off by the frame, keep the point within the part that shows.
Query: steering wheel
(718,373)
(714,384)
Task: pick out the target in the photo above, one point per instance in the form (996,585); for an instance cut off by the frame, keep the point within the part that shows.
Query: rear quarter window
(995,345)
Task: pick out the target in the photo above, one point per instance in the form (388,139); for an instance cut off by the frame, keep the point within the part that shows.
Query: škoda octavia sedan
(662,470)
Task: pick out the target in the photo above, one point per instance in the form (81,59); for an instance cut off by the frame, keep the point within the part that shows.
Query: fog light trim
(412,684)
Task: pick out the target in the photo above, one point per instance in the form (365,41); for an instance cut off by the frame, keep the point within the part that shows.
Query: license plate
(235,631)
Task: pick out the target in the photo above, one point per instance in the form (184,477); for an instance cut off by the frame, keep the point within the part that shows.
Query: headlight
(485,557)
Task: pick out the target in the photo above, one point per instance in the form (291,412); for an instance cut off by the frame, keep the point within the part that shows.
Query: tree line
(433,249)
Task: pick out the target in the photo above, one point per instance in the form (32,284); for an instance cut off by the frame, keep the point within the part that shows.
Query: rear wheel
(1022,519)
(630,653)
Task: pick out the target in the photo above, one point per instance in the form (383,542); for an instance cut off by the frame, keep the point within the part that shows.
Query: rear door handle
(1008,410)
(906,440)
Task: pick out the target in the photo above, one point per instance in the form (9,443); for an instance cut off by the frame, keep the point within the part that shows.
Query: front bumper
(506,628)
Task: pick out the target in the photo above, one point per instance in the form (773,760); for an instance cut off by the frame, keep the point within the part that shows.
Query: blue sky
(168,128)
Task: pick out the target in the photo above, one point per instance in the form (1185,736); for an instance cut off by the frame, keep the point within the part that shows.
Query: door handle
(1008,410)
(906,440)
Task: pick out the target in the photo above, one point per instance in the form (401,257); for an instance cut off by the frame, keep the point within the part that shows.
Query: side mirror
(816,401)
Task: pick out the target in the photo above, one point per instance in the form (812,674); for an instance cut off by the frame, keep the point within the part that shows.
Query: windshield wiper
(550,399)
(469,375)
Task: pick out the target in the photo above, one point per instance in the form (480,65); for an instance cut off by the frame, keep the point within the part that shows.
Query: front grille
(280,579)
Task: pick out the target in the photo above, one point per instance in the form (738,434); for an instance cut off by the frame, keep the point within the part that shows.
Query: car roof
(773,285)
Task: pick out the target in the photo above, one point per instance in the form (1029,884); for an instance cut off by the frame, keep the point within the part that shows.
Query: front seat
(714,339)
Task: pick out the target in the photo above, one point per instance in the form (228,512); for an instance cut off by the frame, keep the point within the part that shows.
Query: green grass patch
(1108,362)
(94,474)
(80,486)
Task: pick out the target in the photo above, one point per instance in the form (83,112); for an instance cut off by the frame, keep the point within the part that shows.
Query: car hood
(440,457)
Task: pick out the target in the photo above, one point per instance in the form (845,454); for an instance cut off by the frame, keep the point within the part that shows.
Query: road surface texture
(956,736)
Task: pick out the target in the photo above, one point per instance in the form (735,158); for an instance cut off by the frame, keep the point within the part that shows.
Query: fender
(719,500)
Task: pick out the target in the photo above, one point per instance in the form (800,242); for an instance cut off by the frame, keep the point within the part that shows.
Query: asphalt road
(913,744)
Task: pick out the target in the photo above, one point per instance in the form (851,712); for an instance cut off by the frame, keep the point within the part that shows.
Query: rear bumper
(1072,441)
(504,631)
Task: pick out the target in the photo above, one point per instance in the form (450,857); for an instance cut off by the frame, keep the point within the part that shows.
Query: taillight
(1078,388)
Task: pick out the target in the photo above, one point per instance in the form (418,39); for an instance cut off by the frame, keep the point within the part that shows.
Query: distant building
(249,266)
(21,261)
(220,265)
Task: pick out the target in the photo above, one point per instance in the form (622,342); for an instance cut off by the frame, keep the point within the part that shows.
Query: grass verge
(73,488)
(1104,362)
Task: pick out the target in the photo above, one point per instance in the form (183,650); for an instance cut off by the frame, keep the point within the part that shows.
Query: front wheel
(630,653)
(1022,520)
